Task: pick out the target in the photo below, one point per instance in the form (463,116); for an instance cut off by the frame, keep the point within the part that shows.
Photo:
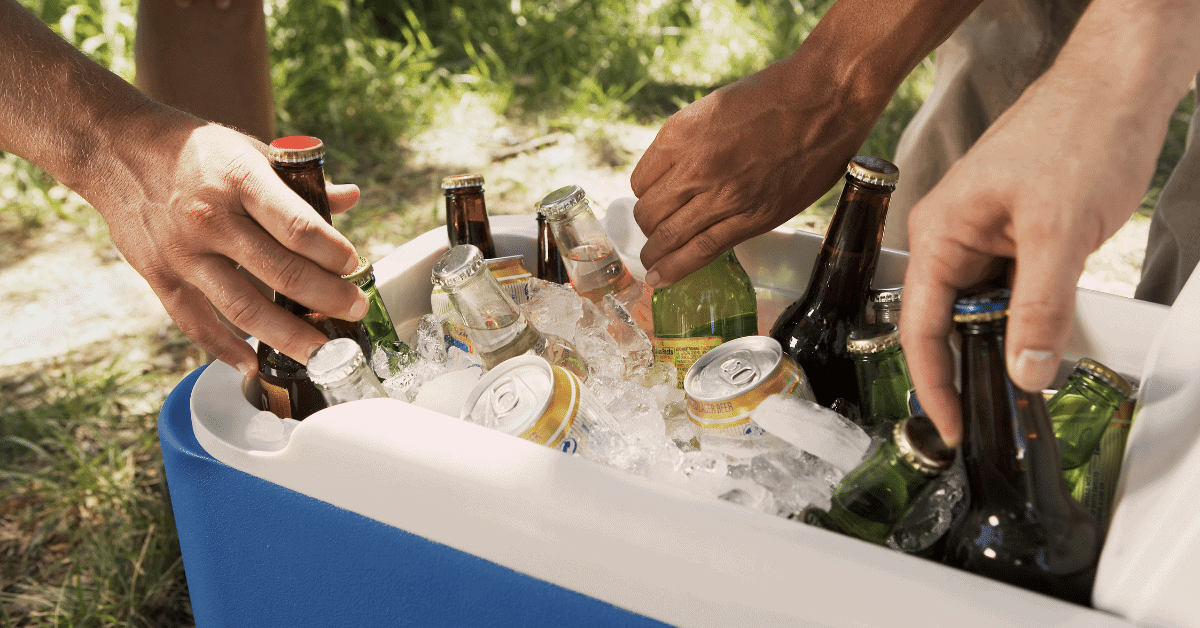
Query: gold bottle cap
(557,203)
(887,295)
(296,149)
(874,171)
(457,265)
(922,447)
(361,273)
(873,339)
(1106,375)
(462,181)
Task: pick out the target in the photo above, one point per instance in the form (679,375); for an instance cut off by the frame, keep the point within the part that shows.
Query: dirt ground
(68,291)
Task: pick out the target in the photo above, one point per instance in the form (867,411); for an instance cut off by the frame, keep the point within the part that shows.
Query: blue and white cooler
(381,513)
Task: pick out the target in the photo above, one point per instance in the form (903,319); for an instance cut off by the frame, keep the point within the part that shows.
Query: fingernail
(1034,370)
(653,278)
(246,369)
(360,307)
(350,266)
(308,353)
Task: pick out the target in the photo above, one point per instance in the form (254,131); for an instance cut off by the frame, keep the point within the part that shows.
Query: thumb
(1041,312)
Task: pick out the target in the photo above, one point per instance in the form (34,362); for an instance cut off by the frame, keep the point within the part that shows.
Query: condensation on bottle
(340,371)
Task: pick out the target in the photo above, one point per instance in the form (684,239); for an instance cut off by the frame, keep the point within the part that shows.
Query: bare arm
(749,156)
(186,201)
(1046,185)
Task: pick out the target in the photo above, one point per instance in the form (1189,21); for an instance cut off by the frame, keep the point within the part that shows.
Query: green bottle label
(683,352)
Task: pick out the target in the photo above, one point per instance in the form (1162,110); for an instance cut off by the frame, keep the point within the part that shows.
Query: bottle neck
(1008,445)
(307,180)
(359,384)
(469,212)
(849,253)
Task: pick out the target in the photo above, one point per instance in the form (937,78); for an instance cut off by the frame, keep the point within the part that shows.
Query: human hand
(191,206)
(740,162)
(1046,185)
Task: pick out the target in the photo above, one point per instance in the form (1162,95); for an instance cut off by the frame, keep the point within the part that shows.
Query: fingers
(655,163)
(1041,311)
(341,197)
(294,224)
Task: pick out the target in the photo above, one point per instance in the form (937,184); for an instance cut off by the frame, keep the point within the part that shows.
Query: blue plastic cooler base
(258,554)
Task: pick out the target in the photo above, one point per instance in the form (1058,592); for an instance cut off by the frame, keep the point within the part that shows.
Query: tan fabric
(1173,247)
(979,71)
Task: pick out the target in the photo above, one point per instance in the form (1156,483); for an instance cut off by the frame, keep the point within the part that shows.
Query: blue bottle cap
(987,306)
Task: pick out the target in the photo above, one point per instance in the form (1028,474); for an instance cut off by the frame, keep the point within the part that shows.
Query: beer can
(530,398)
(514,278)
(726,384)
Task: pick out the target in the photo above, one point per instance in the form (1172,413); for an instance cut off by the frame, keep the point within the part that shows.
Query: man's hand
(1046,185)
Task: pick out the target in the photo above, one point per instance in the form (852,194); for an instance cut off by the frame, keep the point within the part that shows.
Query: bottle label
(683,352)
(1098,485)
(276,399)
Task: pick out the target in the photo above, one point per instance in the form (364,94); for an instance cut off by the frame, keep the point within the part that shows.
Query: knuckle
(291,275)
(244,311)
(300,229)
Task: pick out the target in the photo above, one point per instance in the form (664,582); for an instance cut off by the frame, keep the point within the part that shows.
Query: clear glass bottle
(1082,409)
(877,494)
(466,213)
(885,388)
(287,390)
(339,370)
(814,329)
(1021,526)
(590,257)
(709,307)
(497,328)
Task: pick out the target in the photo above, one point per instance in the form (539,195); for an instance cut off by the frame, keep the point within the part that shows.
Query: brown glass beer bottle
(814,329)
(1021,526)
(466,213)
(549,264)
(286,389)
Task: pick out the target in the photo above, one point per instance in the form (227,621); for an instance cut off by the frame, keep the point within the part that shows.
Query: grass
(86,534)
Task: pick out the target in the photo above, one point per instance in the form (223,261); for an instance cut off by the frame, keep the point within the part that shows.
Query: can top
(512,396)
(874,171)
(457,265)
(887,295)
(918,441)
(296,149)
(979,308)
(557,203)
(334,361)
(873,338)
(733,368)
(361,273)
(462,181)
(1114,379)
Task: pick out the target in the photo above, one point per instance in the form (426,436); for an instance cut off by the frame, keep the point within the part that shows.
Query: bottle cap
(874,171)
(980,308)
(296,149)
(334,361)
(361,273)
(457,265)
(557,203)
(462,181)
(887,295)
(922,447)
(1106,375)
(873,338)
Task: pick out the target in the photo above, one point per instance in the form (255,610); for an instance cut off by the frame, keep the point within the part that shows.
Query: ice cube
(632,343)
(740,447)
(554,309)
(445,393)
(750,495)
(390,358)
(933,512)
(635,408)
(268,432)
(431,339)
(795,478)
(813,428)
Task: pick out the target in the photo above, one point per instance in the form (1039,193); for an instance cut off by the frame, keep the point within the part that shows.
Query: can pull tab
(739,369)
(505,397)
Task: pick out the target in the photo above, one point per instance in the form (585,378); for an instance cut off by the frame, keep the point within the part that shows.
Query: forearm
(867,48)
(60,109)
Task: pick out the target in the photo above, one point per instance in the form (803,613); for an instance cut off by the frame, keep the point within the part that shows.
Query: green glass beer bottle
(1021,526)
(377,321)
(711,306)
(877,494)
(884,386)
(287,390)
(1082,409)
(814,329)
